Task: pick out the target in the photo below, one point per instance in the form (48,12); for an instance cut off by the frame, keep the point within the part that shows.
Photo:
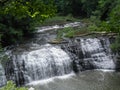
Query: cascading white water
(90,53)
(37,60)
(97,51)
(2,76)
(47,28)
(46,62)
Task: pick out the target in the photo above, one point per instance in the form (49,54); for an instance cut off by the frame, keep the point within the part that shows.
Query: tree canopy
(19,17)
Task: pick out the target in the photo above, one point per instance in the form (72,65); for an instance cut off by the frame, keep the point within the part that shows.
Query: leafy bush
(71,32)
(66,32)
(116,45)
(11,86)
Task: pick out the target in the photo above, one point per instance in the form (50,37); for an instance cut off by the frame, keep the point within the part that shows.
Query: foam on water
(46,81)
(47,28)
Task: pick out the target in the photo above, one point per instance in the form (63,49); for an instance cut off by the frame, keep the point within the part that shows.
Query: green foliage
(59,20)
(108,16)
(89,6)
(114,19)
(70,32)
(19,18)
(39,9)
(63,6)
(93,27)
(104,7)
(116,45)
(11,86)
(79,8)
(112,24)
(66,32)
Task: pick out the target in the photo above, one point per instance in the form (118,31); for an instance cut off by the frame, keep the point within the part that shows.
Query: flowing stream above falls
(37,60)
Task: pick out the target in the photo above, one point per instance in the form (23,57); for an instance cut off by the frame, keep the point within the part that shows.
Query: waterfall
(90,53)
(99,52)
(38,60)
(45,62)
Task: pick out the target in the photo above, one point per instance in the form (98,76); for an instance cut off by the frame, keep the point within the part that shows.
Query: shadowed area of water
(87,80)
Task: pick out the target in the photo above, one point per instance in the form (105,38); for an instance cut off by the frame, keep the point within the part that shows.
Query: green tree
(81,8)
(109,14)
(114,18)
(89,6)
(18,18)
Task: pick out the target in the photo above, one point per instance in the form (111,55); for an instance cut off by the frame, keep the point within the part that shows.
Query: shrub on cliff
(11,86)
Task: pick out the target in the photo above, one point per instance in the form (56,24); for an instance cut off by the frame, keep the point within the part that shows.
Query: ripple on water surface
(87,80)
